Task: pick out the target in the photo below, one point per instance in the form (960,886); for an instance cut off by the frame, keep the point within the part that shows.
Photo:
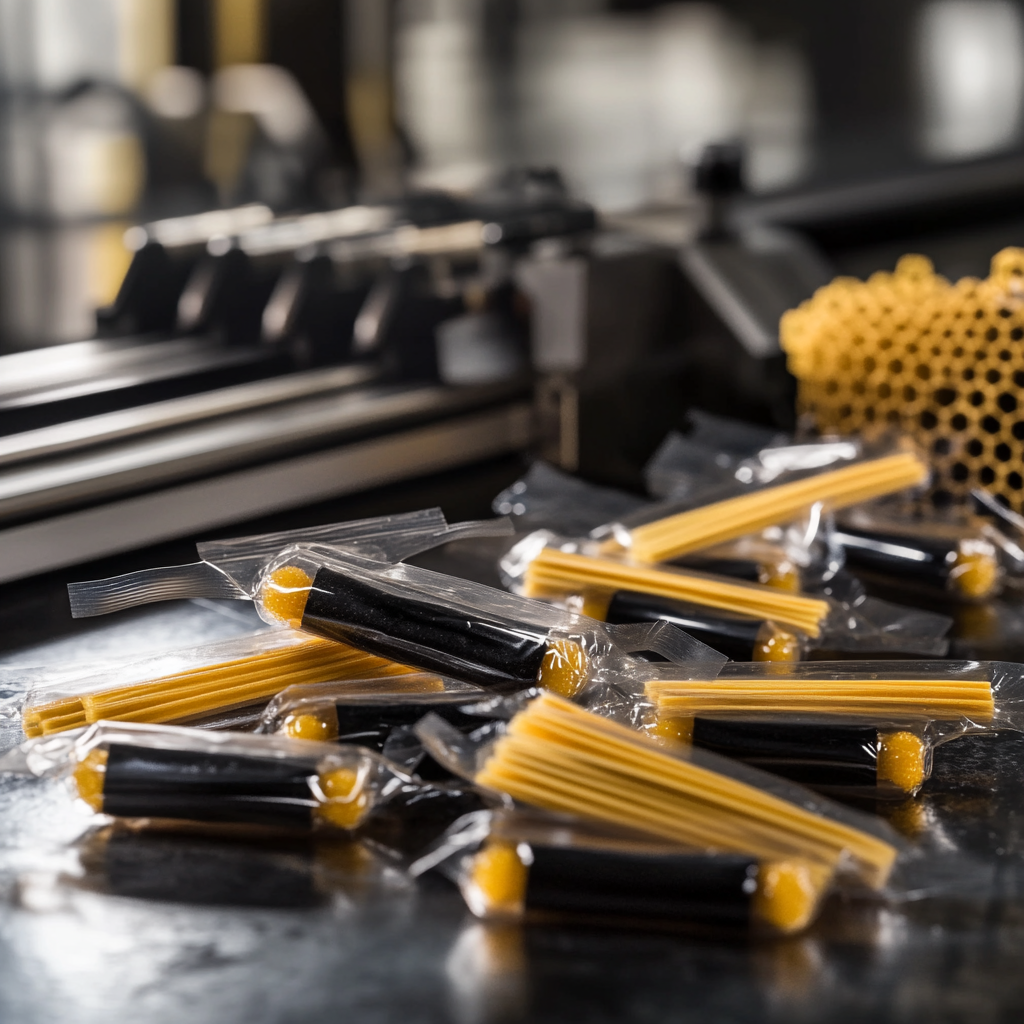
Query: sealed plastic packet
(200,684)
(522,864)
(552,499)
(230,569)
(961,559)
(472,632)
(366,712)
(130,770)
(780,485)
(781,556)
(779,626)
(845,727)
(560,757)
(707,457)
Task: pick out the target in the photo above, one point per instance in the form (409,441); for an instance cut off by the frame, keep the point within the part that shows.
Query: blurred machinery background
(261,254)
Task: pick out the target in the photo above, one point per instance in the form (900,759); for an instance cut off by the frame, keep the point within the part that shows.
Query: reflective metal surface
(457,440)
(116,426)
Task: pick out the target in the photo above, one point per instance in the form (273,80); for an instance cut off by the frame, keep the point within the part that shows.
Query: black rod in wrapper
(380,715)
(465,630)
(141,782)
(854,758)
(142,770)
(966,566)
(486,651)
(369,724)
(697,888)
(522,863)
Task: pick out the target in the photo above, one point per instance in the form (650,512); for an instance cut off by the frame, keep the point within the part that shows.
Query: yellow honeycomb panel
(943,362)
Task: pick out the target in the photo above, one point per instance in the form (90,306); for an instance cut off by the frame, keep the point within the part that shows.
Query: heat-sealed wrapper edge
(529,865)
(230,568)
(547,497)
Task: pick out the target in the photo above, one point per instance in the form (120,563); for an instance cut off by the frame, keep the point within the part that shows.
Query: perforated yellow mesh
(943,362)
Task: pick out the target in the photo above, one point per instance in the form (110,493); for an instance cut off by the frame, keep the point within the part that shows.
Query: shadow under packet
(851,729)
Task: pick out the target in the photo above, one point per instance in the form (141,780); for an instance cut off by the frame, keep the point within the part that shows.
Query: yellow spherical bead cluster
(943,362)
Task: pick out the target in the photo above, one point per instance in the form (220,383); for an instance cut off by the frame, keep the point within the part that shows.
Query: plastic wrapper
(719,454)
(959,555)
(466,630)
(380,714)
(515,865)
(845,756)
(199,684)
(548,498)
(559,757)
(779,486)
(230,569)
(843,727)
(129,770)
(781,555)
(966,695)
(781,625)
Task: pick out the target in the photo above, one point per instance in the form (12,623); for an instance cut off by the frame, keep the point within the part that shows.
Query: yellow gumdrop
(564,668)
(313,725)
(89,775)
(347,800)
(788,893)
(975,573)
(780,575)
(901,760)
(284,592)
(774,644)
(499,877)
(595,604)
(675,731)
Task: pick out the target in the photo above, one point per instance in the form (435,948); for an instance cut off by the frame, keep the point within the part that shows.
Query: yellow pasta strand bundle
(942,362)
(562,758)
(210,688)
(685,532)
(946,699)
(554,572)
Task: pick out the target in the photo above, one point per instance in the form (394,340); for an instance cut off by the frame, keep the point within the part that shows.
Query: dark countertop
(90,932)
